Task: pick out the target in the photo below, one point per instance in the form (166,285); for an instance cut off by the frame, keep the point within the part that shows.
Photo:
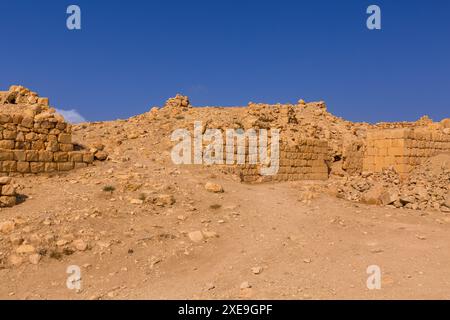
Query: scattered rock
(389,197)
(214,187)
(196,236)
(7,227)
(34,258)
(245,285)
(210,234)
(257,270)
(25,249)
(80,245)
(15,260)
(165,200)
(137,201)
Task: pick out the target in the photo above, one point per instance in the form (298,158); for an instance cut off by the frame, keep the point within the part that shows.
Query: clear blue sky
(131,55)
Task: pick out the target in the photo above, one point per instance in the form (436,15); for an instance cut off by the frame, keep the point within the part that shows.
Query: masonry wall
(303,161)
(353,156)
(38,143)
(403,148)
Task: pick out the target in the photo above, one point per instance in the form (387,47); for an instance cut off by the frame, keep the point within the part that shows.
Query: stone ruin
(34,138)
(8,195)
(315,144)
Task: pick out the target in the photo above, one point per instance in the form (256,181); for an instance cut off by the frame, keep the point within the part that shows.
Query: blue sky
(132,55)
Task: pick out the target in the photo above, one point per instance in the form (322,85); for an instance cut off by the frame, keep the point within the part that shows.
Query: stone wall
(34,138)
(353,155)
(403,148)
(303,161)
(40,143)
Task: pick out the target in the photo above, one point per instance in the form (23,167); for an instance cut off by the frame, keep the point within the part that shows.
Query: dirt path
(314,250)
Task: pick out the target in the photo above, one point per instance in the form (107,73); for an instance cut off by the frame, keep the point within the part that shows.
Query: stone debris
(245,285)
(425,188)
(214,187)
(257,270)
(196,236)
(8,194)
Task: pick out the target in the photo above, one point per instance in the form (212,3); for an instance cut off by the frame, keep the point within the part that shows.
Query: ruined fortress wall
(38,143)
(303,161)
(353,156)
(402,148)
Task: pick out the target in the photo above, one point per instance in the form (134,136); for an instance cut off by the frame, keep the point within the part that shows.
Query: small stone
(25,249)
(257,270)
(388,197)
(34,258)
(210,234)
(101,155)
(15,260)
(7,227)
(16,239)
(196,236)
(447,200)
(307,260)
(421,237)
(136,201)
(5,180)
(61,243)
(80,245)
(214,187)
(406,199)
(245,285)
(165,200)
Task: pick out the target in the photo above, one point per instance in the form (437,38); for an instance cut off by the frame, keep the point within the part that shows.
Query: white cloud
(71,116)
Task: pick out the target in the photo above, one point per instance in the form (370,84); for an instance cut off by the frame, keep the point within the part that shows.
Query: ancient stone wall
(42,143)
(403,148)
(303,161)
(353,155)
(34,138)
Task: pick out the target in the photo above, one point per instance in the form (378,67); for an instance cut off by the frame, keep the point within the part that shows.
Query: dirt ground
(318,249)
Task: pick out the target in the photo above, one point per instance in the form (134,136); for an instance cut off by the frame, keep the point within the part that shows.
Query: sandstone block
(50,167)
(5,118)
(6,155)
(65,138)
(45,156)
(37,167)
(38,145)
(8,190)
(76,156)
(60,156)
(52,146)
(66,147)
(8,201)
(23,167)
(9,135)
(32,155)
(7,144)
(65,166)
(214,187)
(88,157)
(9,166)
